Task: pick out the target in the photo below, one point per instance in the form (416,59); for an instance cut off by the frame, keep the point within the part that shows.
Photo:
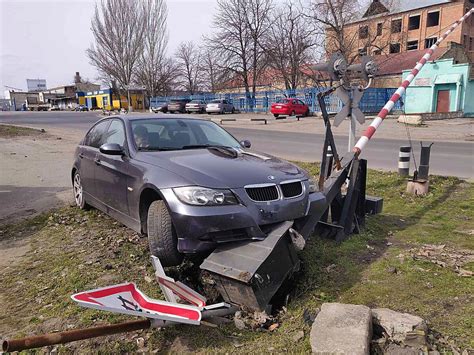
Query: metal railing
(372,101)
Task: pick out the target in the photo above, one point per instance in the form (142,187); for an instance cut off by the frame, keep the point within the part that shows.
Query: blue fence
(372,101)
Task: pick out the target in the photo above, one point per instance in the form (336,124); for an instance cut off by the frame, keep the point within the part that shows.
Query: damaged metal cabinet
(249,274)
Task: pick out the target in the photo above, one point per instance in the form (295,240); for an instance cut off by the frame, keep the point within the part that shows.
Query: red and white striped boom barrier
(369,132)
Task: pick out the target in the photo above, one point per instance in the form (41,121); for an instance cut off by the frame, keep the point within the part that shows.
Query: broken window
(412,45)
(363,32)
(379,29)
(396,26)
(433,19)
(430,41)
(414,22)
(394,47)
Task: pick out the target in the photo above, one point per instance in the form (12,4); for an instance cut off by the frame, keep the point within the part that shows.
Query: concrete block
(342,329)
(400,327)
(419,188)
(415,120)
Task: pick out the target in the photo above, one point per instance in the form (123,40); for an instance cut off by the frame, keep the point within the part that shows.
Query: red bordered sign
(126,298)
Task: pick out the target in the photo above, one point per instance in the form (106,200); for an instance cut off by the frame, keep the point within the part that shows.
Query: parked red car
(289,107)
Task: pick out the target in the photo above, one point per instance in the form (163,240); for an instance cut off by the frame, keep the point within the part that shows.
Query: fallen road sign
(126,298)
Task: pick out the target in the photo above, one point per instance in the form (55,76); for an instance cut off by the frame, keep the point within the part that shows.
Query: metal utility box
(249,274)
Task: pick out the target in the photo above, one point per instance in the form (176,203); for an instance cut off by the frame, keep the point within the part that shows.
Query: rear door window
(96,135)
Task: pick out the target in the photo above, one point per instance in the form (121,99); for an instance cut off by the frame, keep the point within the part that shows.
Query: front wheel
(78,191)
(162,236)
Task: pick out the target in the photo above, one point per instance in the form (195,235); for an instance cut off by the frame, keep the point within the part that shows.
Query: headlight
(203,196)
(313,185)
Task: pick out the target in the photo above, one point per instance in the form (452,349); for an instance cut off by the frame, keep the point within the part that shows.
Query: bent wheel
(161,235)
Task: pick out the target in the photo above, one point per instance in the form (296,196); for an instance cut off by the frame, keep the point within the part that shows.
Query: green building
(442,86)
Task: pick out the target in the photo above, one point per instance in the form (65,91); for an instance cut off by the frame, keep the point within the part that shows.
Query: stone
(399,325)
(415,120)
(298,336)
(342,329)
(418,188)
(395,349)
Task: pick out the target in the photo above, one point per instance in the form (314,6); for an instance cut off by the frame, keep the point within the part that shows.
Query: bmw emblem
(271,177)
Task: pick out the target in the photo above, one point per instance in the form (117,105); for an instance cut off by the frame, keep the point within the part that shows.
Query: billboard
(36,84)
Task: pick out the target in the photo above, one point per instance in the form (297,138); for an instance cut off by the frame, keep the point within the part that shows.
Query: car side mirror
(111,149)
(245,143)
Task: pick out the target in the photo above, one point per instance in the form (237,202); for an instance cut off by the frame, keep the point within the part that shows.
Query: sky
(48,39)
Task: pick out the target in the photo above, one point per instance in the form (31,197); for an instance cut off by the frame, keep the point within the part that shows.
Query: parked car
(81,108)
(186,183)
(289,107)
(54,108)
(161,107)
(198,106)
(178,105)
(219,106)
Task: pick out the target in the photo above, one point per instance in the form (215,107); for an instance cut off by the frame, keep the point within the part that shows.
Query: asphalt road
(447,158)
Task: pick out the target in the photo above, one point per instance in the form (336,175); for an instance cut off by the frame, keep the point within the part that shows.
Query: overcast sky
(47,39)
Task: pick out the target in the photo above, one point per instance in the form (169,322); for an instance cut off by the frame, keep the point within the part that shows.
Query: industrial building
(108,100)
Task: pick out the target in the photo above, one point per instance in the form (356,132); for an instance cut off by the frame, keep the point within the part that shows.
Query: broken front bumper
(202,228)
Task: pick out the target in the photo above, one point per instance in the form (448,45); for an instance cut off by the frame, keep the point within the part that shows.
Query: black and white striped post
(329,161)
(404,161)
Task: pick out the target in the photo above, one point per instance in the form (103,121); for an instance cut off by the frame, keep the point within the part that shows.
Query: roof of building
(380,7)
(391,64)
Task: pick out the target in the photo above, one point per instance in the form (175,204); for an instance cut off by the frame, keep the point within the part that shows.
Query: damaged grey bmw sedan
(186,183)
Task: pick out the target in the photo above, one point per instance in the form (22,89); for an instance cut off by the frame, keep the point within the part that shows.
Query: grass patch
(72,250)
(8,131)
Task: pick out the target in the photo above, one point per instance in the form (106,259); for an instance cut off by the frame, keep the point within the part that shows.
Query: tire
(293,113)
(78,192)
(233,110)
(162,236)
(306,114)
(276,115)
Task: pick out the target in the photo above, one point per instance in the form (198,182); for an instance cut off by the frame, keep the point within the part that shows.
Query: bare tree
(214,71)
(152,59)
(289,44)
(239,29)
(336,20)
(118,27)
(166,79)
(188,64)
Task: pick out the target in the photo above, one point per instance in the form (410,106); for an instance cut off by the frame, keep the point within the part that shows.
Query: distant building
(402,26)
(66,97)
(442,86)
(107,100)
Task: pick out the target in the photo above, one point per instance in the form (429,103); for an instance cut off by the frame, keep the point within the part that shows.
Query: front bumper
(202,228)
(213,109)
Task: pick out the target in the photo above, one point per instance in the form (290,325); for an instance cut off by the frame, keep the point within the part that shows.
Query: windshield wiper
(155,149)
(221,148)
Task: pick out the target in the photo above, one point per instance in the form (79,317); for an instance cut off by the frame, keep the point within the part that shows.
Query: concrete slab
(342,329)
(415,120)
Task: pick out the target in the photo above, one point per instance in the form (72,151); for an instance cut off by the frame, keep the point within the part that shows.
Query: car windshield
(176,134)
(215,101)
(282,101)
(196,102)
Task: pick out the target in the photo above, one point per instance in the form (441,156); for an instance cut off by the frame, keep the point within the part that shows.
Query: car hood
(213,168)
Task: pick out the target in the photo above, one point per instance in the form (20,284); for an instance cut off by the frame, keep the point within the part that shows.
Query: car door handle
(97,161)
(81,155)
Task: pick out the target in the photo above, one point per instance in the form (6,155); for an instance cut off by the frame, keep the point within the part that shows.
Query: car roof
(149,117)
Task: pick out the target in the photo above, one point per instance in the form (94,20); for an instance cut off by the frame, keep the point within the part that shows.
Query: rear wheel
(233,110)
(293,113)
(276,115)
(79,192)
(162,236)
(306,114)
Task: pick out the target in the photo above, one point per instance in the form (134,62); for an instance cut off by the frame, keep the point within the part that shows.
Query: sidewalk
(449,130)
